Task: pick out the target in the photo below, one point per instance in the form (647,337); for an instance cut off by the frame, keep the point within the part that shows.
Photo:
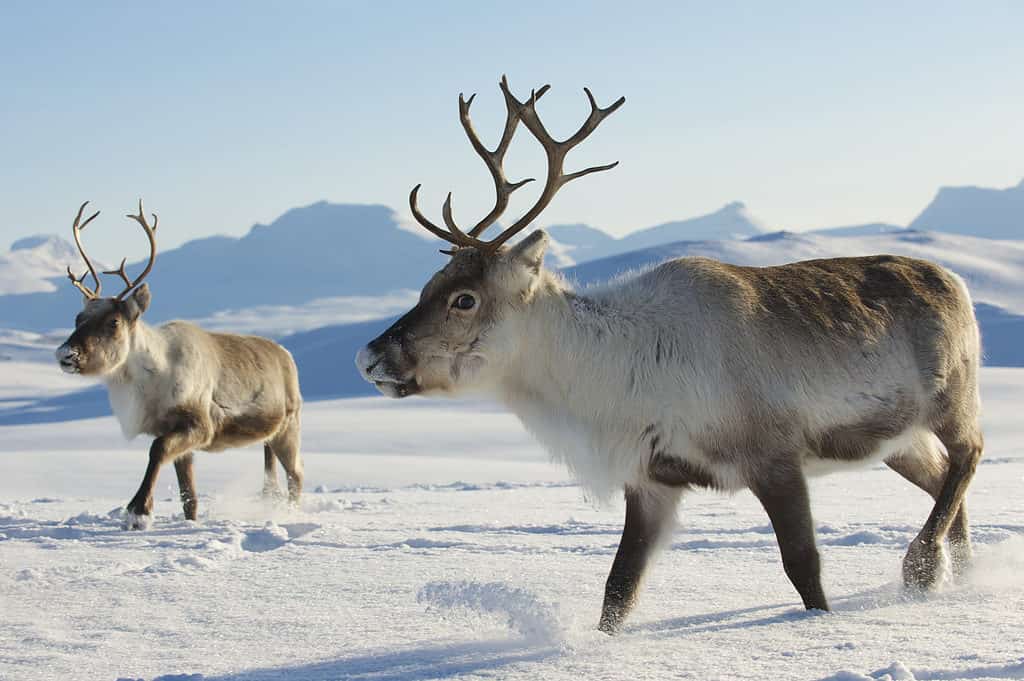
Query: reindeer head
(448,341)
(103,331)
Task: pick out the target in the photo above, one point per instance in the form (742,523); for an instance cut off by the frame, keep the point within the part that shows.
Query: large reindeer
(188,388)
(697,373)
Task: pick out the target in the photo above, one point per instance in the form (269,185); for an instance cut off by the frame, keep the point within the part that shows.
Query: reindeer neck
(566,342)
(146,355)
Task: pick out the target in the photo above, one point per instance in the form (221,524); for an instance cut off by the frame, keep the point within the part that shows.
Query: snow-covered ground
(435,541)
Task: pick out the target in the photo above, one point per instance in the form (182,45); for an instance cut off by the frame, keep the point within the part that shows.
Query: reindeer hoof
(925,566)
(272,493)
(960,556)
(137,521)
(611,623)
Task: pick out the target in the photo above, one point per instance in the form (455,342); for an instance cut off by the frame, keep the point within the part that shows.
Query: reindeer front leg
(649,515)
(785,498)
(169,447)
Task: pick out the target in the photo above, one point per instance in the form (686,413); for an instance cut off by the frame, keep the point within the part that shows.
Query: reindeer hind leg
(271,490)
(285,446)
(925,466)
(958,429)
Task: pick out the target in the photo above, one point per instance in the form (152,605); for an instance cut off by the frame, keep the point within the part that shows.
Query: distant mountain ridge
(866,229)
(732,221)
(991,213)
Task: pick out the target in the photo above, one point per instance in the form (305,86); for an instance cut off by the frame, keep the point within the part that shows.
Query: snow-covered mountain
(992,213)
(867,229)
(33,264)
(579,243)
(732,221)
(571,244)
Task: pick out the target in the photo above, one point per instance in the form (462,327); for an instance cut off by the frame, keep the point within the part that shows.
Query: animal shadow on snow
(719,621)
(425,662)
(1012,670)
(33,409)
(490,657)
(870,599)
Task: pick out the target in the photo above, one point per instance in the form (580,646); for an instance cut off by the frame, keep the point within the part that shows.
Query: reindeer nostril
(67,357)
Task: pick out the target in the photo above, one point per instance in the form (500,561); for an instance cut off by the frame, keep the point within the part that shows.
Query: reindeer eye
(113,323)
(464,302)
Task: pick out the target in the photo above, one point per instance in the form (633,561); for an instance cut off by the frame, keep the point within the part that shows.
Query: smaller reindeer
(188,388)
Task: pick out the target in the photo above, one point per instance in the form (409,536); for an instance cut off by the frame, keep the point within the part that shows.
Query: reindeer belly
(238,430)
(857,453)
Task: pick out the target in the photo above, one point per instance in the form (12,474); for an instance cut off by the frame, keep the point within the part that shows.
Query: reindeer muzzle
(69,359)
(376,367)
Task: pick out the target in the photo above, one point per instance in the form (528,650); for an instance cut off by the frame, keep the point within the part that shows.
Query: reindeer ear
(138,302)
(530,251)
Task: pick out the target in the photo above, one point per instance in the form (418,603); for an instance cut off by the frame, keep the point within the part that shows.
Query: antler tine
(597,114)
(76,229)
(494,160)
(427,224)
(151,235)
(556,152)
(449,221)
(121,272)
(77,283)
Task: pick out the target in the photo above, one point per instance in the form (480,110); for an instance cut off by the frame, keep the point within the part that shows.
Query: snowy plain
(436,541)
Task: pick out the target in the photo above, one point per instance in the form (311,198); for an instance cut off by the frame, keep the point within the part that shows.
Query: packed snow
(436,541)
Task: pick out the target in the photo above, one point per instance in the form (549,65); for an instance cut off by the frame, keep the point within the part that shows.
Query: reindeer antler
(151,234)
(556,177)
(76,229)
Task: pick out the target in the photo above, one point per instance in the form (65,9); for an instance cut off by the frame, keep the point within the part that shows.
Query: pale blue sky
(222,114)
